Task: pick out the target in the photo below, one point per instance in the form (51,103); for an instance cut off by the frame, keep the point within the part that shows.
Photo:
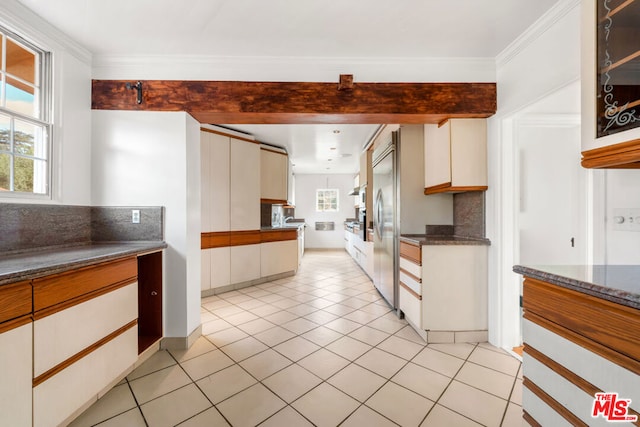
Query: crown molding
(546,21)
(24,22)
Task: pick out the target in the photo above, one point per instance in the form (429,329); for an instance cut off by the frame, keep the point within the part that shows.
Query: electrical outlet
(135,216)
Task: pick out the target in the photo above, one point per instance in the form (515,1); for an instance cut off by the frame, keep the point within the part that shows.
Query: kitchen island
(580,333)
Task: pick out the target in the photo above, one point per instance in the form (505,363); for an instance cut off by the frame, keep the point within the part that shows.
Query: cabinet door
(245,263)
(437,154)
(220,263)
(245,185)
(16,373)
(454,276)
(205,269)
(215,152)
(468,152)
(273,175)
(609,54)
(278,257)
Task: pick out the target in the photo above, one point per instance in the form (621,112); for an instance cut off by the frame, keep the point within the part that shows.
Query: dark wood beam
(301,102)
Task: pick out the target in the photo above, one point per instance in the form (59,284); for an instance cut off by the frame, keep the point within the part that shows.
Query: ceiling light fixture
(336,131)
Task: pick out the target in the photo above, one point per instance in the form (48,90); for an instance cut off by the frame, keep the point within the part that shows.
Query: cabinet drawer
(410,252)
(410,305)
(51,290)
(411,268)
(64,334)
(57,398)
(410,282)
(15,300)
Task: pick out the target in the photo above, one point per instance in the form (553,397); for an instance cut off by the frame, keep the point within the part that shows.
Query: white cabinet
(66,333)
(244,198)
(618,45)
(215,186)
(274,168)
(291,184)
(61,395)
(455,156)
(85,336)
(454,276)
(245,263)
(216,268)
(230,187)
(369,263)
(443,291)
(300,244)
(16,352)
(278,257)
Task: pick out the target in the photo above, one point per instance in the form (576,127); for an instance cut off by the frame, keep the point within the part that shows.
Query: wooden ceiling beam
(236,102)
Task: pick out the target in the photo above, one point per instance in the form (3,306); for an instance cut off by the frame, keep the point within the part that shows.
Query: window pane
(24,174)
(20,97)
(5,171)
(29,140)
(5,137)
(20,62)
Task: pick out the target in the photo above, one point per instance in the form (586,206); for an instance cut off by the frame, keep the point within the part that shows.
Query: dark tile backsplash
(31,226)
(469,214)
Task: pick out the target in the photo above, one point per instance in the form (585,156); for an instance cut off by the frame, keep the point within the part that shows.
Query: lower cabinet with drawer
(443,291)
(16,352)
(85,337)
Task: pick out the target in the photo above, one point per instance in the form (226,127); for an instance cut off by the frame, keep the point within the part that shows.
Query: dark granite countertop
(31,264)
(428,239)
(615,283)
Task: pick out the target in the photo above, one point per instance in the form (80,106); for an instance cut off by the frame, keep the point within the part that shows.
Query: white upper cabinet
(245,185)
(274,167)
(610,83)
(215,186)
(455,156)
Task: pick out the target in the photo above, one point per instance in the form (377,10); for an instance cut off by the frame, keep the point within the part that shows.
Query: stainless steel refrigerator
(385,220)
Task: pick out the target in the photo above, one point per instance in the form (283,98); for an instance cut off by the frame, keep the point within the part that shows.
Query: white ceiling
(301,28)
(316,148)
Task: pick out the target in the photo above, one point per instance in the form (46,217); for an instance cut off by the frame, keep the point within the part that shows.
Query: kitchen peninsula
(580,332)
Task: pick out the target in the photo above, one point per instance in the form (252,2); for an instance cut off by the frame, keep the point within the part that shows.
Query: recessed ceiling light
(336,131)
(345,155)
(332,148)
(329,160)
(328,168)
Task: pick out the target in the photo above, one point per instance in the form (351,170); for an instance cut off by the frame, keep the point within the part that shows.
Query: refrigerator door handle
(379,211)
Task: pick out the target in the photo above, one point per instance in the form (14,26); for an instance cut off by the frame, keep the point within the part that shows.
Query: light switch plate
(626,219)
(135,216)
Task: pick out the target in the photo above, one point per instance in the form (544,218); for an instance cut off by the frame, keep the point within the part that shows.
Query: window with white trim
(25,118)
(327,200)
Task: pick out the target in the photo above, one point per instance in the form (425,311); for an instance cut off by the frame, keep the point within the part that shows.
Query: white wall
(622,191)
(306,186)
(543,60)
(71,134)
(151,158)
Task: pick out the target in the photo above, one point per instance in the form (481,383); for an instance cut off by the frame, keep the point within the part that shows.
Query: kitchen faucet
(287,219)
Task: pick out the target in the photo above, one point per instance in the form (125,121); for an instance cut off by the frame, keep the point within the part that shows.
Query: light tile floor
(319,348)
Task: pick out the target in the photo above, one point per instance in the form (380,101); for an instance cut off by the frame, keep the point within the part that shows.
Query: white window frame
(337,197)
(44,120)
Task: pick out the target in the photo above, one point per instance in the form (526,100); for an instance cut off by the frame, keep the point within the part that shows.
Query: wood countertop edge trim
(48,311)
(15,323)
